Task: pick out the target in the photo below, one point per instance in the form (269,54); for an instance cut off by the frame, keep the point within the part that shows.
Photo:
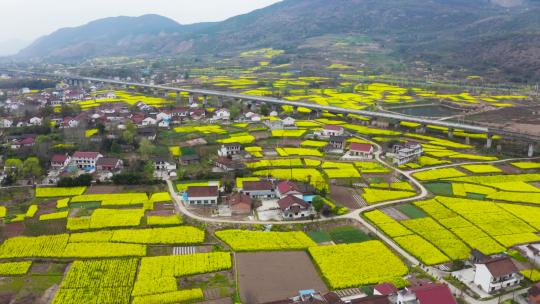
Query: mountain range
(475,33)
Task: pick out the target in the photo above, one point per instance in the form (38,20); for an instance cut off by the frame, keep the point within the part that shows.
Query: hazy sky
(29,19)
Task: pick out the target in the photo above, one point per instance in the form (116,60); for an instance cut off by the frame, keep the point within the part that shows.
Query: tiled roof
(59,158)
(291,200)
(500,267)
(361,147)
(82,154)
(257,185)
(202,191)
(434,294)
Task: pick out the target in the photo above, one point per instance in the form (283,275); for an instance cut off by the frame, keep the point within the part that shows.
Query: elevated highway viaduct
(531,140)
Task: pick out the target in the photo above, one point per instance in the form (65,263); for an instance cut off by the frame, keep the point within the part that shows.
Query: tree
(81,180)
(265,111)
(145,148)
(32,167)
(129,134)
(235,111)
(318,203)
(149,170)
(13,166)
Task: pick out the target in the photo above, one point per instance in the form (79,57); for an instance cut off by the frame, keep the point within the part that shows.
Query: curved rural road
(356,215)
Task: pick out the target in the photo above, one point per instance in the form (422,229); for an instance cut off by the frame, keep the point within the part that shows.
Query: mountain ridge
(421,29)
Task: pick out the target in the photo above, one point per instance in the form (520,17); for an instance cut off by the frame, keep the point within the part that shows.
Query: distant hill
(148,34)
(484,33)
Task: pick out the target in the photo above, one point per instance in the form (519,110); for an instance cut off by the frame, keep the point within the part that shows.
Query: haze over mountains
(483,33)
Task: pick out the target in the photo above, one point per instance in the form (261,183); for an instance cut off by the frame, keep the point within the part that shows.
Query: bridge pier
(467,140)
(531,150)
(191,98)
(295,110)
(220,101)
(450,133)
(489,142)
(205,100)
(421,129)
(177,96)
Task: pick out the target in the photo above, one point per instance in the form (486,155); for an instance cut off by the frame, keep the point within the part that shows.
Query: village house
(60,161)
(5,123)
(332,130)
(533,294)
(109,164)
(407,152)
(222,114)
(531,251)
(361,150)
(148,121)
(148,133)
(385,289)
(162,164)
(202,195)
(189,159)
(311,296)
(227,164)
(287,188)
(496,274)
(180,112)
(240,204)
(289,122)
(338,142)
(164,116)
(164,123)
(24,142)
(230,149)
(293,207)
(86,160)
(197,114)
(258,189)
(430,293)
(35,121)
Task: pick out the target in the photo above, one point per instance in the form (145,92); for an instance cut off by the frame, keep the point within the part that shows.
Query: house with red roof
(60,161)
(287,188)
(361,150)
(385,289)
(26,141)
(259,189)
(240,204)
(332,130)
(86,160)
(110,164)
(430,293)
(496,273)
(533,295)
(293,207)
(202,195)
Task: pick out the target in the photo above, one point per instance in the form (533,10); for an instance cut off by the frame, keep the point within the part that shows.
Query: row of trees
(16,168)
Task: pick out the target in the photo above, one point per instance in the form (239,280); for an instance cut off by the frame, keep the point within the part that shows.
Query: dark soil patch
(271,276)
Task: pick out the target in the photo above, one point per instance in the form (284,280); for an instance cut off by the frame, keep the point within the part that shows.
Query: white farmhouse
(86,160)
(5,123)
(403,154)
(149,121)
(222,114)
(36,121)
(202,195)
(333,130)
(496,274)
